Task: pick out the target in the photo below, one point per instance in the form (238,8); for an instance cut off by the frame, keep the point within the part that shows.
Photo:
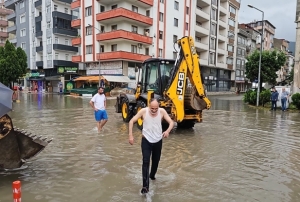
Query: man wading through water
(152,138)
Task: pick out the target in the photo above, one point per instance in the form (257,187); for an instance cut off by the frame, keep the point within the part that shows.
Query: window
(237,73)
(231,9)
(176,5)
(134,9)
(23,46)
(161,1)
(133,48)
(212,58)
(23,32)
(214,2)
(175,22)
(231,22)
(134,29)
(22,18)
(186,26)
(56,40)
(101,48)
(161,17)
(174,55)
(55,7)
(102,8)
(230,35)
(49,56)
(56,56)
(213,14)
(114,6)
(88,11)
(49,40)
(212,43)
(229,61)
(239,51)
(230,48)
(148,13)
(66,10)
(175,38)
(48,25)
(146,51)
(213,30)
(238,63)
(89,49)
(48,9)
(187,10)
(67,57)
(22,4)
(67,42)
(88,31)
(114,27)
(161,34)
(114,47)
(160,52)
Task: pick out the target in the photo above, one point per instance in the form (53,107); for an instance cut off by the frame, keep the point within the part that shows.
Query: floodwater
(237,154)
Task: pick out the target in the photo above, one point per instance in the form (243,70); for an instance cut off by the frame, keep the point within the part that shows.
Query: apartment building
(43,30)
(296,82)
(120,35)
(3,23)
(269,32)
(283,45)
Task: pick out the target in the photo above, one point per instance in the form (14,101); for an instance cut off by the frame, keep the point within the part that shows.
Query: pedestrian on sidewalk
(274,98)
(98,103)
(152,135)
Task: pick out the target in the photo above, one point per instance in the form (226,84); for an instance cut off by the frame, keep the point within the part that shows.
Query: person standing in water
(152,135)
(98,103)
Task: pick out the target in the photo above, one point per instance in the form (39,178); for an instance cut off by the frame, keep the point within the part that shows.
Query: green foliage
(13,63)
(296,100)
(251,95)
(264,97)
(271,61)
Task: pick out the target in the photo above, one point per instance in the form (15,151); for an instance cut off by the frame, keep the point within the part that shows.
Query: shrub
(250,97)
(264,97)
(296,100)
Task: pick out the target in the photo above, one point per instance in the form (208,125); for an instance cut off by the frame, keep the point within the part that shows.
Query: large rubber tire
(118,107)
(187,124)
(139,105)
(126,110)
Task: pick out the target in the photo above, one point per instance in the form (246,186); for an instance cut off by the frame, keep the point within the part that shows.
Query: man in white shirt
(98,103)
(152,135)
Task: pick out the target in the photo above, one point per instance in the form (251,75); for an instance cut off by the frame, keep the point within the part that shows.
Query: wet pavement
(238,153)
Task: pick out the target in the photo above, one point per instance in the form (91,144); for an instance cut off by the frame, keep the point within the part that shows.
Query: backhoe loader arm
(186,65)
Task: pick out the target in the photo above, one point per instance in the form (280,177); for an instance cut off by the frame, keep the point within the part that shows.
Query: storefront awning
(52,78)
(88,78)
(122,79)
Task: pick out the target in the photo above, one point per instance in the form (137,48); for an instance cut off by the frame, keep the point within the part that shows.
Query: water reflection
(238,153)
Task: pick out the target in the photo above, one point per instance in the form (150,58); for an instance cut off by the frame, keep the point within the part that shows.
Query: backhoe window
(150,77)
(165,71)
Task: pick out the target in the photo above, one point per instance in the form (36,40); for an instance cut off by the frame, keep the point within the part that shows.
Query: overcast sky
(280,13)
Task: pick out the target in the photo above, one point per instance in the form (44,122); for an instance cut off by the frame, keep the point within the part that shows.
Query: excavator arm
(186,66)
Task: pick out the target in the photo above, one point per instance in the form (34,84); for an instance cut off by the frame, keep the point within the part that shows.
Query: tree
(271,62)
(13,63)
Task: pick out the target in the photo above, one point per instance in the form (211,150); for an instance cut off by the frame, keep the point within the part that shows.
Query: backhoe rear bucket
(193,101)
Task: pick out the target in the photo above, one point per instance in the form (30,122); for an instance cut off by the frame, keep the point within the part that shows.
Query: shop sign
(62,70)
(104,71)
(32,74)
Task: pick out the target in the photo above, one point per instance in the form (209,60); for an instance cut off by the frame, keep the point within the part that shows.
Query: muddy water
(236,154)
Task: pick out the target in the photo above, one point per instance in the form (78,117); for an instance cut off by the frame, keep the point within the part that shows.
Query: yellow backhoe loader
(176,84)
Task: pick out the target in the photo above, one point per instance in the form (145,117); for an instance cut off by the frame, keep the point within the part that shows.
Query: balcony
(5,12)
(38,34)
(3,34)
(12,29)
(3,23)
(122,55)
(65,48)
(122,14)
(38,4)
(10,4)
(76,41)
(76,4)
(61,15)
(39,63)
(11,17)
(121,35)
(76,23)
(76,58)
(202,46)
(65,32)
(64,63)
(65,1)
(13,40)
(139,3)
(38,18)
(39,48)
(201,30)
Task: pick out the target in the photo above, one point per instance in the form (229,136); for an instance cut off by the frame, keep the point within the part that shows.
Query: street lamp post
(99,56)
(260,53)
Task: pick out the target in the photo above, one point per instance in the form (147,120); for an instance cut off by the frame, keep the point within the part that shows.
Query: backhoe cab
(176,84)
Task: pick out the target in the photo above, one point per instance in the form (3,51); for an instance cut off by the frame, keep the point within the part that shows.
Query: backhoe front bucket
(16,146)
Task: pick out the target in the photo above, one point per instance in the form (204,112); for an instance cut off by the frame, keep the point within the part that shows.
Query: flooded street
(237,154)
